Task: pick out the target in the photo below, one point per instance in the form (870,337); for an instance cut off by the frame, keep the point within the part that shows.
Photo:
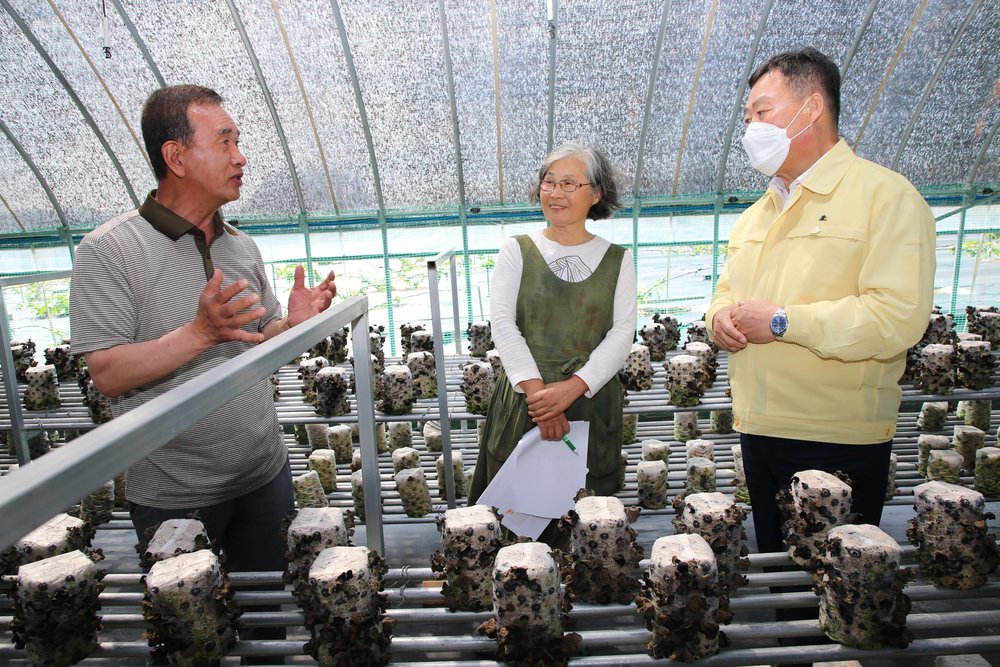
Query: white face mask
(767,145)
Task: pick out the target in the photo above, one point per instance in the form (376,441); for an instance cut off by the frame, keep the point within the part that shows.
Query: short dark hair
(165,118)
(600,173)
(806,70)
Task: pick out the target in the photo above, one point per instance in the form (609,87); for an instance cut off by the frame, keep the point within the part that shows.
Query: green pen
(570,444)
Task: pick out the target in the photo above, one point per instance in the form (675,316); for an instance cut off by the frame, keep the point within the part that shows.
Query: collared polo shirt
(136,278)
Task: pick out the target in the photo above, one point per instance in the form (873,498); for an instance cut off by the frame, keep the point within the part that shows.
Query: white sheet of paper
(549,473)
(528,495)
(501,492)
(525,525)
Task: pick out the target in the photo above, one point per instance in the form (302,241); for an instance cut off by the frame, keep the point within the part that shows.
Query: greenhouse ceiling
(363,108)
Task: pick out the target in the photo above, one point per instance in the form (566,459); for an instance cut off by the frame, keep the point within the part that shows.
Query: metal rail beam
(974,170)
(453,106)
(306,103)
(32,494)
(439,369)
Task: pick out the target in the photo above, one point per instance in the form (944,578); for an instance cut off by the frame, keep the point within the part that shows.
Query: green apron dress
(562,322)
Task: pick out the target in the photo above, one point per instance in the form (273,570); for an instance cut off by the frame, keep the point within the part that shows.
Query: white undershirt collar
(778,185)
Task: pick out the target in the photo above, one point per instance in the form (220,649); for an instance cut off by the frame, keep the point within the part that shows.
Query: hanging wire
(105,30)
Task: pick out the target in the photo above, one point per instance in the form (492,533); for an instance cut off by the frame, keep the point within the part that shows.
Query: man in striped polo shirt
(169,291)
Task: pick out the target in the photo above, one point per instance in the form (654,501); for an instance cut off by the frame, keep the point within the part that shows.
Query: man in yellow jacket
(828,281)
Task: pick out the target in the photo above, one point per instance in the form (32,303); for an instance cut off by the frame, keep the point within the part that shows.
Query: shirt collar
(174,226)
(835,162)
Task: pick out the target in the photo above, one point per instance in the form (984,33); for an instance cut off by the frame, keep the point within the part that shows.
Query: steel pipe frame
(9,376)
(32,494)
(439,361)
(615,638)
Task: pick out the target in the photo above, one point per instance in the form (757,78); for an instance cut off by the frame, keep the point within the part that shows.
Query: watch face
(778,324)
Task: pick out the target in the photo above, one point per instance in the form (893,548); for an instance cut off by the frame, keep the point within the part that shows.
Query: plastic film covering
(312,37)
(932,34)
(126,76)
(829,27)
(24,205)
(48,126)
(470,39)
(604,55)
(958,116)
(261,21)
(523,44)
(398,54)
(198,43)
(732,31)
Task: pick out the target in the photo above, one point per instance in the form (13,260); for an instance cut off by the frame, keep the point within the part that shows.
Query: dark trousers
(248,530)
(770,463)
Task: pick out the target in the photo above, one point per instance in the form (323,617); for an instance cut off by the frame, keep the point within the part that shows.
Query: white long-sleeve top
(573,264)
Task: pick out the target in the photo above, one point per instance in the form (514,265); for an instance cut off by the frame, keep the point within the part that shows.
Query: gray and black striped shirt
(139,276)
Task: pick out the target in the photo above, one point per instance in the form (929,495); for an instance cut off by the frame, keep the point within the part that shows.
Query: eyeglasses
(566,186)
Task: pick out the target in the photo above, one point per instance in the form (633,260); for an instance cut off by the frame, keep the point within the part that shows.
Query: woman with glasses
(563,311)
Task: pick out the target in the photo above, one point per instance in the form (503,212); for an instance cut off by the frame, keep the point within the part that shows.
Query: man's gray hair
(600,174)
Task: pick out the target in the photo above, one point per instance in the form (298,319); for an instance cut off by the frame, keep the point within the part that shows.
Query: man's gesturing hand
(219,318)
(304,303)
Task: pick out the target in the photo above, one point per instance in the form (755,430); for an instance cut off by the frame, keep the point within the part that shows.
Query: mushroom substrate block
(954,549)
(470,540)
(932,416)
(987,480)
(324,463)
(42,392)
(651,478)
(926,443)
(309,490)
(190,608)
(685,426)
(477,386)
(684,383)
(860,584)
(344,608)
(172,538)
(310,531)
(679,599)
(529,607)
(944,466)
(56,609)
(605,555)
(656,450)
(405,457)
(719,520)
(816,502)
(700,475)
(413,492)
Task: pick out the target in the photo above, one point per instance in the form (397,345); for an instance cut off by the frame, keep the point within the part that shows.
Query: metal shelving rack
(428,634)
